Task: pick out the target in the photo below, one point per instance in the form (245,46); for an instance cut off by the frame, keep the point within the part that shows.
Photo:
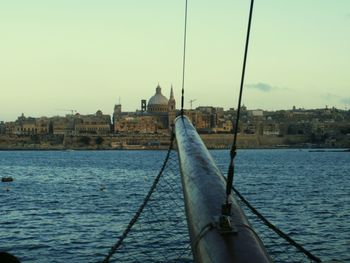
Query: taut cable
(184,63)
(230,173)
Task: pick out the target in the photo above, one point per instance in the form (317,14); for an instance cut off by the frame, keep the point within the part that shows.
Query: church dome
(158,102)
(158,98)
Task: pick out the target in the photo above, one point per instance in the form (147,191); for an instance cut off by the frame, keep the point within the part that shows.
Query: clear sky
(87,54)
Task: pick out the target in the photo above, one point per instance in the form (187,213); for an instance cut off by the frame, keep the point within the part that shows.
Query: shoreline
(148,142)
(142,148)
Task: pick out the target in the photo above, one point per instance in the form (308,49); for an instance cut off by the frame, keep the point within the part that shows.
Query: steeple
(171,92)
(171,103)
(171,108)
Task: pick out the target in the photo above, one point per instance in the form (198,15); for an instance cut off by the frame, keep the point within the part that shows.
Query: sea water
(70,206)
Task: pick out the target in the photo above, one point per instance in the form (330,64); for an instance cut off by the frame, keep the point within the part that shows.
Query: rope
(230,173)
(184,63)
(134,219)
(202,233)
(229,185)
(279,232)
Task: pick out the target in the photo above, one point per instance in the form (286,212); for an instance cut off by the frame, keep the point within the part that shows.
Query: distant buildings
(98,123)
(157,115)
(69,125)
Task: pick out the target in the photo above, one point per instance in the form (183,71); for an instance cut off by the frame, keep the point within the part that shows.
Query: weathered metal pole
(204,193)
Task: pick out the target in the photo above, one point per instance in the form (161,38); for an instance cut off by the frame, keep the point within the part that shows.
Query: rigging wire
(276,229)
(230,173)
(136,216)
(184,62)
(120,240)
(229,184)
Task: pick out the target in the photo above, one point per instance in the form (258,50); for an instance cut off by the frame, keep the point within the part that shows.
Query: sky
(88,55)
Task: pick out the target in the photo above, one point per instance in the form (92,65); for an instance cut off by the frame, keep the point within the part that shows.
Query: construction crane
(71,111)
(191,102)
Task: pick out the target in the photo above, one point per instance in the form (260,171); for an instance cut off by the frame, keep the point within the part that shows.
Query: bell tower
(116,116)
(143,106)
(171,108)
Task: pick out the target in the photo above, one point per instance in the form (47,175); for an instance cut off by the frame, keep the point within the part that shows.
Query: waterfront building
(271,128)
(10,127)
(2,127)
(78,124)
(208,119)
(98,123)
(26,125)
(135,123)
(42,125)
(62,125)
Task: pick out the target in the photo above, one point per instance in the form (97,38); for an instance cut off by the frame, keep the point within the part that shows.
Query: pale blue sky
(85,54)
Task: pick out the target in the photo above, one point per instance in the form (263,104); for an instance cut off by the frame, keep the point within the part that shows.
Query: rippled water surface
(69,206)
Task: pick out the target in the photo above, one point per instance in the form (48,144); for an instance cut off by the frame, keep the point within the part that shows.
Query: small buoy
(6,179)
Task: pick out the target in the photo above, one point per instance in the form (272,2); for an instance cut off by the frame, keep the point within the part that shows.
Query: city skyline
(86,55)
(92,112)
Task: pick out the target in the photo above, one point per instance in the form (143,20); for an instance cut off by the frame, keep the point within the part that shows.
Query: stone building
(26,125)
(136,124)
(42,125)
(155,117)
(2,127)
(208,119)
(11,127)
(62,125)
(98,123)
(271,128)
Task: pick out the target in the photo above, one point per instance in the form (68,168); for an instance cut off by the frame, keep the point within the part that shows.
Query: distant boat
(6,179)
